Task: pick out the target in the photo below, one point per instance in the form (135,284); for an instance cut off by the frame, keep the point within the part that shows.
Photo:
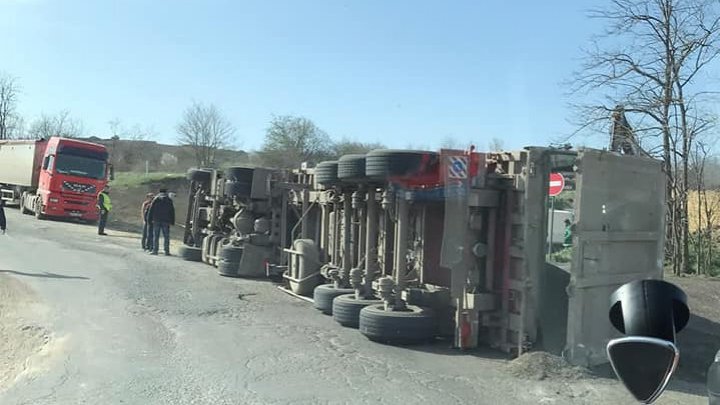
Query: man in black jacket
(3,222)
(162,215)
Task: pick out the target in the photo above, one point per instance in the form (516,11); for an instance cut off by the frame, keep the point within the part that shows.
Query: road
(94,320)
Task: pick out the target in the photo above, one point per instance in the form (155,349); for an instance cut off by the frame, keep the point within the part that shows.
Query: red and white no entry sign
(557,183)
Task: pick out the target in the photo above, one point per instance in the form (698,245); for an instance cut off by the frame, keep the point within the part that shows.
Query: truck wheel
(326,173)
(230,253)
(237,188)
(199,175)
(383,163)
(190,253)
(346,309)
(351,168)
(414,325)
(227,268)
(239,174)
(324,294)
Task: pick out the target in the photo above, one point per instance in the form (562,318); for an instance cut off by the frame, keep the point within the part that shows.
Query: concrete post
(401,241)
(371,237)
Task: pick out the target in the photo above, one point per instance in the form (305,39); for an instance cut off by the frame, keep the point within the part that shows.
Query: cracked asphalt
(123,327)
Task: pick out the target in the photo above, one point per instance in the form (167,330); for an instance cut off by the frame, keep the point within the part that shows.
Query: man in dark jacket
(3,222)
(162,215)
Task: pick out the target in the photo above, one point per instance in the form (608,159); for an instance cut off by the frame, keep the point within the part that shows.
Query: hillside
(133,156)
(128,191)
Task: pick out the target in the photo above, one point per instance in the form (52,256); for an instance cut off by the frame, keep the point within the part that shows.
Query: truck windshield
(80,166)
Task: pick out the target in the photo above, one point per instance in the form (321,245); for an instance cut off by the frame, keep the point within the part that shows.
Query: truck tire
(230,253)
(351,168)
(239,174)
(237,188)
(227,268)
(199,175)
(346,309)
(190,253)
(326,173)
(414,325)
(381,164)
(324,294)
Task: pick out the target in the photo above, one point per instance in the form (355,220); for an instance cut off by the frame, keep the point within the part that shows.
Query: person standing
(147,233)
(162,215)
(104,205)
(3,221)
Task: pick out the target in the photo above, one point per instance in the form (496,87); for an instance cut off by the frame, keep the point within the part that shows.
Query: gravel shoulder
(24,340)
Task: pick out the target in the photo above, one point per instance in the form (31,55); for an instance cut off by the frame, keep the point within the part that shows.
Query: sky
(403,73)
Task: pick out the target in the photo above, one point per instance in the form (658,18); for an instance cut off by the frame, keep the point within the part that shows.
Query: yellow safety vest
(107,204)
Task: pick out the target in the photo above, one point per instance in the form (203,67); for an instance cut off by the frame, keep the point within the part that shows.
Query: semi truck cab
(58,177)
(72,174)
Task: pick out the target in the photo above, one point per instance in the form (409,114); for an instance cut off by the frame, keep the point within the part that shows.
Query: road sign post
(555,187)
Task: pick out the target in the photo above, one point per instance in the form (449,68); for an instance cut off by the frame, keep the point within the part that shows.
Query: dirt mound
(542,365)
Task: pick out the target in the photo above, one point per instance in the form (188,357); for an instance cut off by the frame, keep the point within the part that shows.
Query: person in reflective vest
(104,205)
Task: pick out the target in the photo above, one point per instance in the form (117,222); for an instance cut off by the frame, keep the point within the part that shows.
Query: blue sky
(398,72)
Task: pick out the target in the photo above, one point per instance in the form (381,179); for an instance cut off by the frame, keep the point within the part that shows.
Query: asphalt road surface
(94,320)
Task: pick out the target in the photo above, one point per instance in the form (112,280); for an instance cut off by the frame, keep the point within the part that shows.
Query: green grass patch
(562,256)
(134,179)
(565,201)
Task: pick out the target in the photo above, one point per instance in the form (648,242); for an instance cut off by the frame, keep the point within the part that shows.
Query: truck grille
(78,187)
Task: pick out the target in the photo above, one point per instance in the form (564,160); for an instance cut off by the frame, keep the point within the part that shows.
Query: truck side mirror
(111,169)
(649,313)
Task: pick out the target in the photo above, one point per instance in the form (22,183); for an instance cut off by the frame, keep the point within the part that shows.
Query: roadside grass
(562,256)
(135,179)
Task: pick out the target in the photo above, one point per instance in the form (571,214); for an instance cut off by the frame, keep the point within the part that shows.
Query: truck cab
(57,177)
(71,176)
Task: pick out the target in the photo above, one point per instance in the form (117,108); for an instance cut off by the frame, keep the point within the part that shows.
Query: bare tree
(60,124)
(346,147)
(9,89)
(448,142)
(648,61)
(134,133)
(290,141)
(496,145)
(205,130)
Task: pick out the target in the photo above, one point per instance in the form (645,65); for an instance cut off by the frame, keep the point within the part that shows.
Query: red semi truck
(57,177)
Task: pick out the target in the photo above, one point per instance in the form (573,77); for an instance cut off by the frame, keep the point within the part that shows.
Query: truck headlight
(53,200)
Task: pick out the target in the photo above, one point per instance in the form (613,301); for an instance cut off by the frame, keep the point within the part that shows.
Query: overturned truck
(408,246)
